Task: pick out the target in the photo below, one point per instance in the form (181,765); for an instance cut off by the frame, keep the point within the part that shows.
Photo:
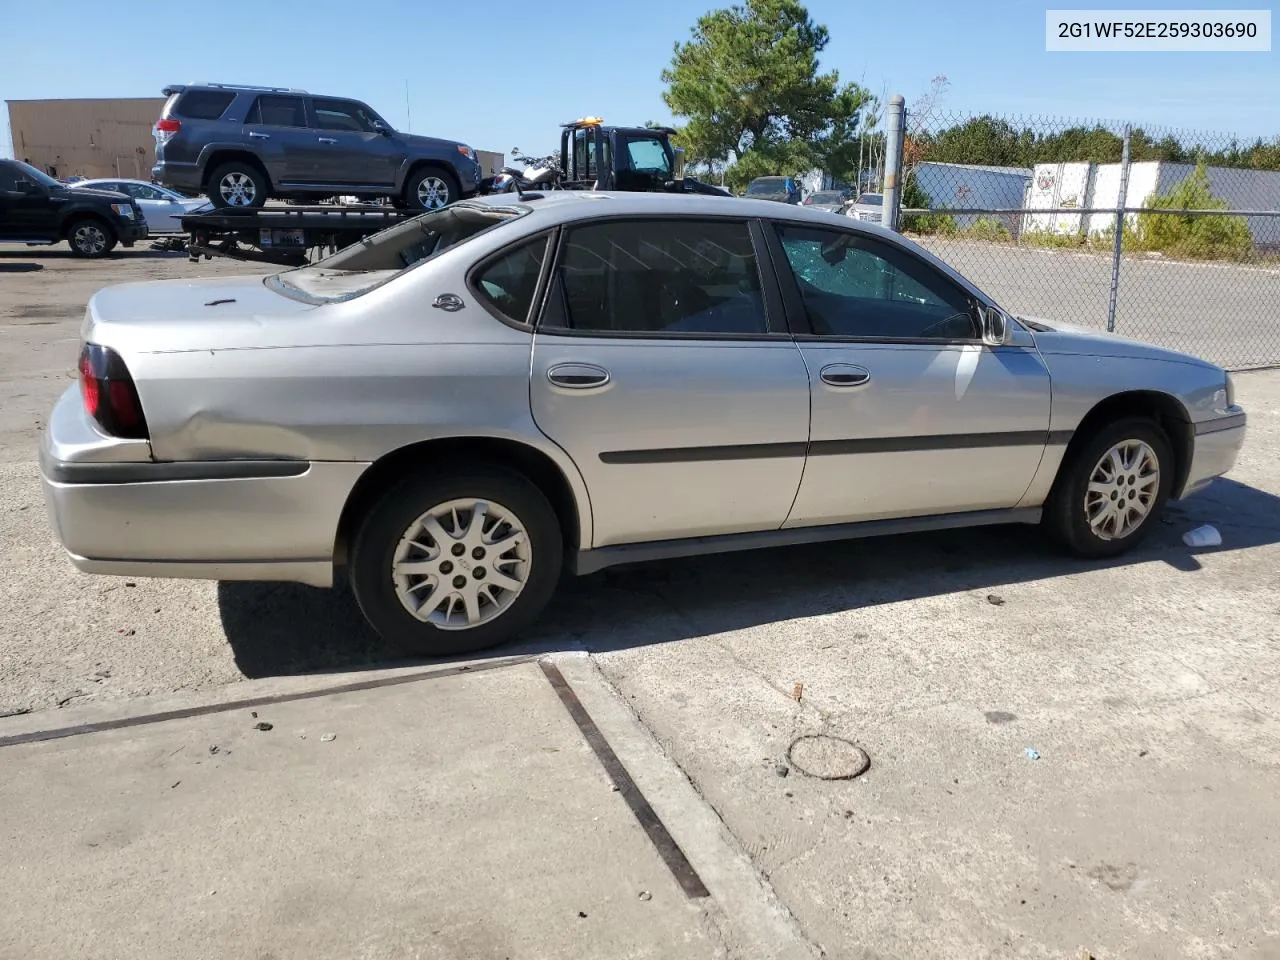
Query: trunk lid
(165,315)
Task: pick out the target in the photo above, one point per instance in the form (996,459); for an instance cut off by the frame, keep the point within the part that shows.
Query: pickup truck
(36,209)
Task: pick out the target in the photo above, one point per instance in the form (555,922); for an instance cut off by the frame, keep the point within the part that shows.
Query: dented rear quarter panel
(347,381)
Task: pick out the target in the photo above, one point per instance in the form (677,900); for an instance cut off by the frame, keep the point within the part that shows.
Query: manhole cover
(827,757)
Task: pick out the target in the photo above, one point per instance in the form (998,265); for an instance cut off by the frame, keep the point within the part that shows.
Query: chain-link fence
(1028,207)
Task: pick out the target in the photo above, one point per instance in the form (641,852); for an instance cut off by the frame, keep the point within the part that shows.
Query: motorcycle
(539,173)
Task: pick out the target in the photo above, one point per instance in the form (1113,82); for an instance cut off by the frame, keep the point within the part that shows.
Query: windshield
(369,263)
(31,173)
(649,155)
(870,199)
(825,198)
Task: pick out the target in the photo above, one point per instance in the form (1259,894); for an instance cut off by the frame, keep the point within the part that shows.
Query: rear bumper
(1217,444)
(178,176)
(221,520)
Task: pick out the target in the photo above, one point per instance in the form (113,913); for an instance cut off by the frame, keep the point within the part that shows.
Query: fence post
(893,161)
(1121,201)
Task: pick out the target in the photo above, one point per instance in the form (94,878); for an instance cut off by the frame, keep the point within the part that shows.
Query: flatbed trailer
(287,235)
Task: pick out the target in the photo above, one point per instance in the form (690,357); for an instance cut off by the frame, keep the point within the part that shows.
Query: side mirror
(995,325)
(677,168)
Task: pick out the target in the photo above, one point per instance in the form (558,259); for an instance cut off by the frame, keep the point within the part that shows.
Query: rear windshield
(772,185)
(871,200)
(202,104)
(357,269)
(825,198)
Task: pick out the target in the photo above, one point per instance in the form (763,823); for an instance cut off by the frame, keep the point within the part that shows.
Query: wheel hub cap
(1122,489)
(433,192)
(90,238)
(237,190)
(461,564)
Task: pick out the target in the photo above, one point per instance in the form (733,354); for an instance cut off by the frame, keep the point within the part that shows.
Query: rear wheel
(238,184)
(452,564)
(1110,492)
(430,189)
(90,237)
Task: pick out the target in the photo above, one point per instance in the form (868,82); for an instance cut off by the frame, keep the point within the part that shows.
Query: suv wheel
(1113,488)
(451,564)
(238,184)
(90,237)
(430,189)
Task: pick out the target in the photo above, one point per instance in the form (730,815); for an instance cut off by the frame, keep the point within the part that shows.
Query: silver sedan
(452,412)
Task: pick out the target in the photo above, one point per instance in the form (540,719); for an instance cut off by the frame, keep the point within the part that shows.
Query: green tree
(748,83)
(1200,237)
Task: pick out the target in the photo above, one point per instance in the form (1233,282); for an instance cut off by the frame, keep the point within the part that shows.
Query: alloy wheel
(90,239)
(433,193)
(238,190)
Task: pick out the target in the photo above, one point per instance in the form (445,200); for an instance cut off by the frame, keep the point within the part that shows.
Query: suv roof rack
(175,88)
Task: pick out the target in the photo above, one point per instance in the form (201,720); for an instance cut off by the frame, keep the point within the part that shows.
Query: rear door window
(203,104)
(274,111)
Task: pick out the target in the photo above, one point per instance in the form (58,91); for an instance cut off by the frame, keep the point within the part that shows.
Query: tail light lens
(110,396)
(165,129)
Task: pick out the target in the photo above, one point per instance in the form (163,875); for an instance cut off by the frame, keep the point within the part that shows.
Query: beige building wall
(87,138)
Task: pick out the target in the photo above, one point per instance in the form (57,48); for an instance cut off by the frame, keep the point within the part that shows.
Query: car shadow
(284,629)
(44,252)
(20,267)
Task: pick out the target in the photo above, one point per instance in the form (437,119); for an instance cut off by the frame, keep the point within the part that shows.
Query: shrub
(915,198)
(989,229)
(1195,237)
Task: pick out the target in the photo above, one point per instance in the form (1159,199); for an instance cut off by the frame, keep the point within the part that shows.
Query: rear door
(662,366)
(277,130)
(349,148)
(912,413)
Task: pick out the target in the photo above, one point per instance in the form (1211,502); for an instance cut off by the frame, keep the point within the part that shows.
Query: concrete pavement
(462,814)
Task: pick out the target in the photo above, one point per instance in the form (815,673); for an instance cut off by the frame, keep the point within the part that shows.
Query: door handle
(259,136)
(326,139)
(448,301)
(845,375)
(578,376)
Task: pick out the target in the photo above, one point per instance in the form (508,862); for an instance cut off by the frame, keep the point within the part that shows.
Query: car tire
(1110,491)
(395,554)
(426,186)
(238,185)
(91,237)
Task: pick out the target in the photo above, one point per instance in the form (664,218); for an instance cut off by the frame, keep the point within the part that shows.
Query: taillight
(165,128)
(110,396)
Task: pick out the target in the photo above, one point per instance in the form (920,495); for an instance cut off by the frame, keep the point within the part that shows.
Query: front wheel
(90,237)
(431,189)
(1112,489)
(452,564)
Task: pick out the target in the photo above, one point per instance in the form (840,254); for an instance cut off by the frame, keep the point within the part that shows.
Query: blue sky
(492,75)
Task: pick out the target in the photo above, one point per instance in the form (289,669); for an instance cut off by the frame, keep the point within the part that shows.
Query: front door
(348,147)
(912,413)
(659,370)
(28,210)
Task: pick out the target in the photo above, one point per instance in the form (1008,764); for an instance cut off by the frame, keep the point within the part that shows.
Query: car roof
(569,205)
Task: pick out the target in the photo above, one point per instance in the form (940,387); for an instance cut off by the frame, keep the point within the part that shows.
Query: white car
(162,208)
(868,207)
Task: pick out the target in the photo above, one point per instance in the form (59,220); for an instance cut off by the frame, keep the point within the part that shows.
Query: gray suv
(242,145)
